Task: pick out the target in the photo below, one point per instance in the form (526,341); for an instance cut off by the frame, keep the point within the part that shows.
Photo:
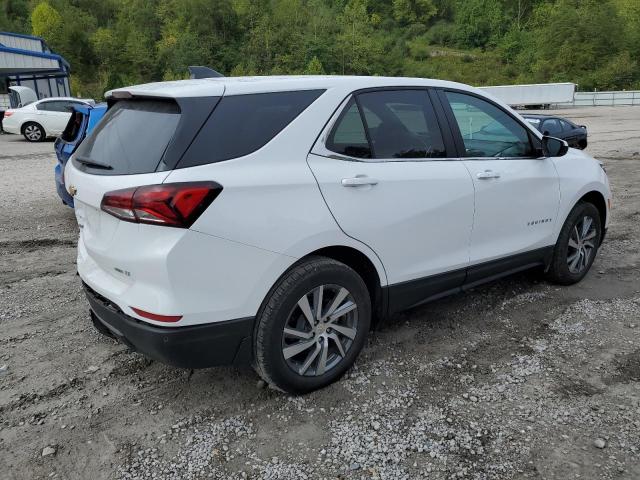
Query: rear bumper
(9,128)
(197,346)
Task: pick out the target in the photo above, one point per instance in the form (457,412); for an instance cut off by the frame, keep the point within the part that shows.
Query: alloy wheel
(33,133)
(320,330)
(582,243)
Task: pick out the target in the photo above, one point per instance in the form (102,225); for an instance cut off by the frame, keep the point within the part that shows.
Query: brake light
(7,113)
(170,204)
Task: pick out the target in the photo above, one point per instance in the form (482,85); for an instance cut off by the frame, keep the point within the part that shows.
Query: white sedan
(45,118)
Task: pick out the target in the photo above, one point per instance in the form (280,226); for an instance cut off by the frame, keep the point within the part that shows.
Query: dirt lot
(519,379)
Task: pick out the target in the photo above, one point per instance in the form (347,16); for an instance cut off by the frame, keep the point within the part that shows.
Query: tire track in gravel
(26,399)
(31,245)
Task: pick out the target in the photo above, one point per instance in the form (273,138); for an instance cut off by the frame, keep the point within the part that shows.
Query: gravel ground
(518,379)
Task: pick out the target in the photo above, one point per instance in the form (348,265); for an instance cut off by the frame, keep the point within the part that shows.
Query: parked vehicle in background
(537,95)
(21,96)
(574,135)
(41,119)
(83,119)
(274,220)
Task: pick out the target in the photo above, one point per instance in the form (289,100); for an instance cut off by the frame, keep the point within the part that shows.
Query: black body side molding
(406,295)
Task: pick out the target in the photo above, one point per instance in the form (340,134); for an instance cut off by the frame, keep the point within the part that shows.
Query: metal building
(27,61)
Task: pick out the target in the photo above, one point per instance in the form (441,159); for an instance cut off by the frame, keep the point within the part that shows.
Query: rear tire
(582,144)
(577,245)
(299,347)
(33,132)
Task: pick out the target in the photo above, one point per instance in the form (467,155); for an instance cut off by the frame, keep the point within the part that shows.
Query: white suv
(275,220)
(38,120)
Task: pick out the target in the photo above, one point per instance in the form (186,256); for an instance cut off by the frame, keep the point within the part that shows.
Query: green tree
(314,67)
(479,22)
(414,11)
(111,43)
(47,22)
(574,38)
(356,41)
(14,16)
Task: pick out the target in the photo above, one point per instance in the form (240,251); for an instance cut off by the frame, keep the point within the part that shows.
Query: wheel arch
(597,199)
(364,267)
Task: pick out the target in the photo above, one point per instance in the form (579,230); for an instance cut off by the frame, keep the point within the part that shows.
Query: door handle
(488,174)
(358,181)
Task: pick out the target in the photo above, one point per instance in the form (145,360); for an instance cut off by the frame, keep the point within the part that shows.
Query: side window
(54,106)
(348,136)
(487,130)
(241,124)
(552,126)
(566,126)
(64,107)
(533,121)
(402,124)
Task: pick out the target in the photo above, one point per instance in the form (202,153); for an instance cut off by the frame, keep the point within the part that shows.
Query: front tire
(577,245)
(312,326)
(33,132)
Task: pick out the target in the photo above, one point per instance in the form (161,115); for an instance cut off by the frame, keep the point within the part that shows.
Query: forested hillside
(110,43)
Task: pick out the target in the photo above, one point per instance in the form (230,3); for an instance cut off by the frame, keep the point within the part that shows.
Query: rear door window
(242,124)
(402,124)
(47,106)
(62,106)
(131,138)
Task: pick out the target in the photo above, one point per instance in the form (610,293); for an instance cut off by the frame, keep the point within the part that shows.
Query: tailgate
(97,227)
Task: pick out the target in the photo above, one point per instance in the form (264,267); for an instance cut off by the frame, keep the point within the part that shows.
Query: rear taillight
(170,204)
(8,113)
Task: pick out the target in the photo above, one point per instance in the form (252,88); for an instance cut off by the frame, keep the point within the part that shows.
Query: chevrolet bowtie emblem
(73,190)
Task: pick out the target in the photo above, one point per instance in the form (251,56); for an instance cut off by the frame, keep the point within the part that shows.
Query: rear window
(242,124)
(131,138)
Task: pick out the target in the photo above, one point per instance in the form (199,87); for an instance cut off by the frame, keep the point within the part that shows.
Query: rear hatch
(151,130)
(138,142)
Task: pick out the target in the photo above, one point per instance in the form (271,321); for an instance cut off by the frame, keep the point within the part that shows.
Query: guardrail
(602,99)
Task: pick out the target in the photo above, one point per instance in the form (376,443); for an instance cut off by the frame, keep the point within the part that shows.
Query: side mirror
(554,147)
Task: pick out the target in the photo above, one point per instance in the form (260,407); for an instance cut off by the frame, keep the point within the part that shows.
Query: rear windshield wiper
(92,163)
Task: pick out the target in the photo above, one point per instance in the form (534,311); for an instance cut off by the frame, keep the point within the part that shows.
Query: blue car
(83,119)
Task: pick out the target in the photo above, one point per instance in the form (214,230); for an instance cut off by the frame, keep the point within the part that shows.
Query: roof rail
(203,72)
